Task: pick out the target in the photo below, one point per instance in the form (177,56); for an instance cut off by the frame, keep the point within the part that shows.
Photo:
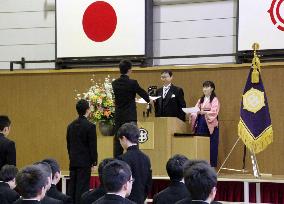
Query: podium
(159,142)
(166,144)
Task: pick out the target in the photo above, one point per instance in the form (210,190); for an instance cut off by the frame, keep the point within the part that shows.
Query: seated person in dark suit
(2,199)
(117,181)
(31,183)
(171,99)
(201,181)
(91,196)
(139,162)
(177,189)
(48,174)
(8,183)
(7,147)
(56,176)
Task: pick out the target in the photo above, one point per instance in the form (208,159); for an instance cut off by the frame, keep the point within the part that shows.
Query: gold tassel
(255,65)
(256,145)
(255,76)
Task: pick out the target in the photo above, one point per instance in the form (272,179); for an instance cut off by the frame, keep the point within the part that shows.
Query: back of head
(175,167)
(130,131)
(82,106)
(4,122)
(124,66)
(115,175)
(55,168)
(30,181)
(102,166)
(8,173)
(188,164)
(46,169)
(200,179)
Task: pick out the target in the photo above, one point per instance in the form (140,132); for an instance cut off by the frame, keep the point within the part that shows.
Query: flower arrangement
(101,99)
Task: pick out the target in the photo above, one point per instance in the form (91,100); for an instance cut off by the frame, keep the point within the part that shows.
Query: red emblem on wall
(99,21)
(275,13)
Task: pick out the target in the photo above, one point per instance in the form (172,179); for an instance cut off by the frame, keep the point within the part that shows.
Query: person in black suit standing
(117,181)
(56,176)
(7,147)
(8,183)
(125,90)
(171,99)
(139,162)
(31,183)
(82,151)
(177,189)
(91,196)
(201,181)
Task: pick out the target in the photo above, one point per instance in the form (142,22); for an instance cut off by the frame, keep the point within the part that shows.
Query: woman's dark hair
(213,94)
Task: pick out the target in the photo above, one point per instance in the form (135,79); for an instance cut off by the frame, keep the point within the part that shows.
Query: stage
(236,188)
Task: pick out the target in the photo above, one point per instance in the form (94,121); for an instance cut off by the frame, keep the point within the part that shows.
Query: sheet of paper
(190,110)
(141,100)
(154,97)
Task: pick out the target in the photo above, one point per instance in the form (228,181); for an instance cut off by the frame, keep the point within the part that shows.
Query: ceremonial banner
(255,128)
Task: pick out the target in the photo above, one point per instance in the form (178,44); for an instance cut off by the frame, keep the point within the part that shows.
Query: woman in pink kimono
(205,121)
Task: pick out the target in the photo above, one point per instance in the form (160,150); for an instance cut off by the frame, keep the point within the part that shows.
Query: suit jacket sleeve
(92,137)
(68,141)
(141,92)
(149,182)
(181,100)
(11,153)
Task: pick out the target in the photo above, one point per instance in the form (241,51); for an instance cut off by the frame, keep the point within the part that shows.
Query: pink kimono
(211,116)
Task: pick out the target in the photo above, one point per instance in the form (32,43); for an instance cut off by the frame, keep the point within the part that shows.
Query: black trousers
(117,148)
(79,182)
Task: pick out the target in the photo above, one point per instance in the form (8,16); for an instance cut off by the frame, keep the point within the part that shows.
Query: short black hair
(8,173)
(124,66)
(130,131)
(46,169)
(175,167)
(30,180)
(200,179)
(115,175)
(82,106)
(55,168)
(4,122)
(190,163)
(167,71)
(102,166)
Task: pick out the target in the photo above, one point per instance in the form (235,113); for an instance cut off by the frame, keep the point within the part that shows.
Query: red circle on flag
(99,21)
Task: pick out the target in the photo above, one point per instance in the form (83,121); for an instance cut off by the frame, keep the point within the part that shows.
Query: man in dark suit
(56,176)
(201,181)
(171,99)
(31,183)
(125,90)
(7,147)
(2,199)
(8,183)
(91,196)
(118,181)
(82,151)
(46,169)
(177,189)
(139,163)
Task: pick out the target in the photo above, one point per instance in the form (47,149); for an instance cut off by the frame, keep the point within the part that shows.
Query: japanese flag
(87,28)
